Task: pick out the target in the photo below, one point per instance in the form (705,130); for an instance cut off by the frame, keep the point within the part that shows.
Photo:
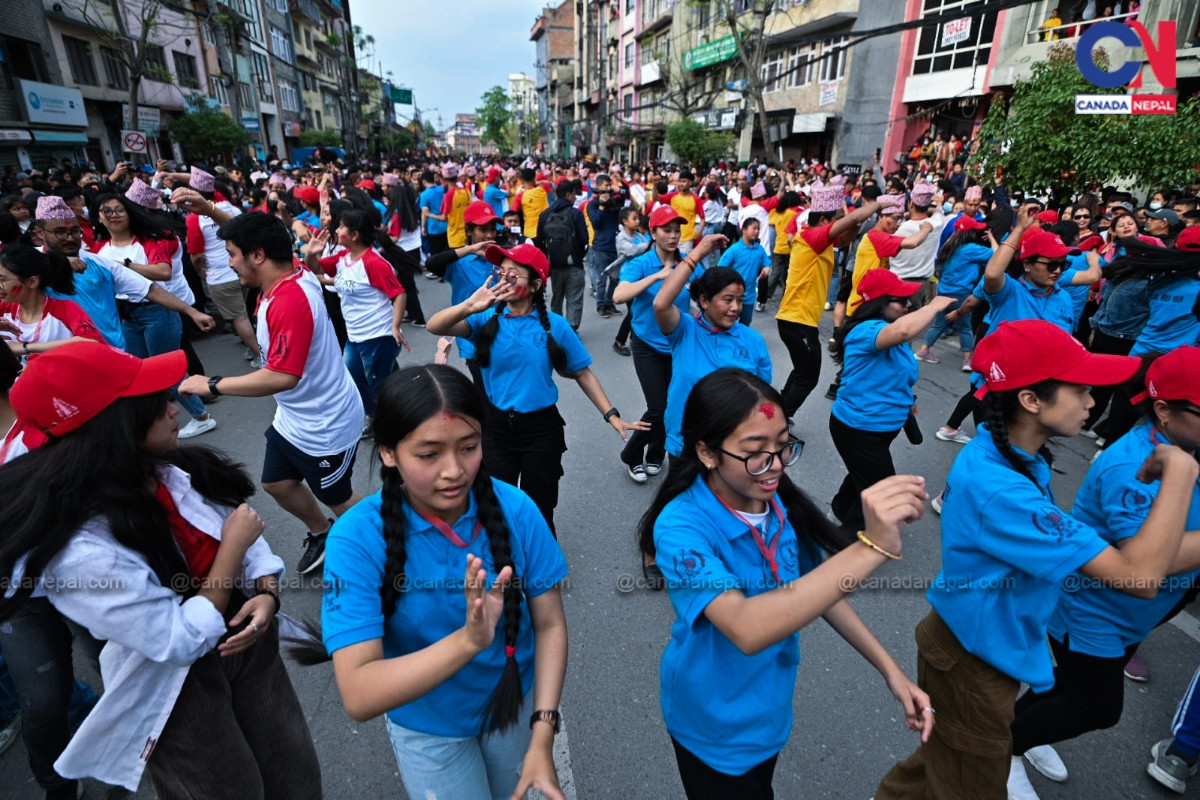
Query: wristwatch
(612,412)
(128,262)
(212,385)
(550,717)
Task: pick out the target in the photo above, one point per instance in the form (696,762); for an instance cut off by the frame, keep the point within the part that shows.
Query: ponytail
(558,356)
(59,275)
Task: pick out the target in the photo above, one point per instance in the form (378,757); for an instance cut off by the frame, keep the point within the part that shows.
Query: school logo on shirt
(1134,499)
(789,558)
(742,353)
(279,348)
(331,588)
(1053,523)
(689,564)
(539,339)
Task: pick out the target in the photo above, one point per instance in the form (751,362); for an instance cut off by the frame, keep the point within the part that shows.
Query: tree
(429,130)
(203,131)
(1042,145)
(320,138)
(493,118)
(747,22)
(695,144)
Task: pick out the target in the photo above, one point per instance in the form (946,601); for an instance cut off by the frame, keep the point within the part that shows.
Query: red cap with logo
(1175,376)
(1048,217)
(367,184)
(524,254)
(665,215)
(65,388)
(1188,239)
(884,283)
(1028,351)
(480,212)
(1043,244)
(968,223)
(493,173)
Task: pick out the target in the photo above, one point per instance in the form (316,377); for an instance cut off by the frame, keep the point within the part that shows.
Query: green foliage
(1041,143)
(204,131)
(320,138)
(693,143)
(493,118)
(429,129)
(396,142)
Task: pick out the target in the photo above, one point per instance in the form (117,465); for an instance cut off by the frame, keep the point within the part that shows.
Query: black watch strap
(551,717)
(612,412)
(212,385)
(274,596)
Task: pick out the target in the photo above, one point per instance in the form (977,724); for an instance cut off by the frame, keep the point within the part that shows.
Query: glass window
(799,66)
(833,59)
(629,55)
(79,57)
(933,56)
(218,91)
(21,59)
(771,69)
(246,93)
(185,70)
(116,75)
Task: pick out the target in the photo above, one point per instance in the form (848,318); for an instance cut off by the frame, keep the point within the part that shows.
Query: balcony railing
(656,14)
(1071,30)
(650,72)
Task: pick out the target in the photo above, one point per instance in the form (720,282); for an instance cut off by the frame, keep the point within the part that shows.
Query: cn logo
(1161,55)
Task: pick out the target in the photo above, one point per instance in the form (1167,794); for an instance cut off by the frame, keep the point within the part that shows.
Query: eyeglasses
(69,233)
(760,462)
(512,276)
(119,211)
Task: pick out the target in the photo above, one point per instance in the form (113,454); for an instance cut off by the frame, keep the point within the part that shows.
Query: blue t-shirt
(519,376)
(645,325)
(96,294)
(1020,299)
(466,275)
(496,198)
(1173,322)
(1006,548)
(432,198)
(697,351)
(961,271)
(732,710)
(748,260)
(432,605)
(1102,621)
(877,385)
(1078,294)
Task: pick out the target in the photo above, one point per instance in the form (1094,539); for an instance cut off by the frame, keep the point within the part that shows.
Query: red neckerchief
(445,530)
(699,317)
(1036,292)
(198,548)
(768,551)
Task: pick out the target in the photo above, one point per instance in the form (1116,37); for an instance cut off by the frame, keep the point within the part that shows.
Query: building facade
(553,37)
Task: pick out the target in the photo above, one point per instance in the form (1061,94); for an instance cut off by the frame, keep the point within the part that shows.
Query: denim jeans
(966,337)
(471,768)
(37,642)
(597,262)
(370,363)
(152,330)
(712,258)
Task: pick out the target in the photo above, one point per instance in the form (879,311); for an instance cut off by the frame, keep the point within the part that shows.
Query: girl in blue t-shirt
(442,608)
(519,346)
(878,376)
(962,258)
(729,672)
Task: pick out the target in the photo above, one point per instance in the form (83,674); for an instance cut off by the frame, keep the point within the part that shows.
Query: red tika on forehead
(767,410)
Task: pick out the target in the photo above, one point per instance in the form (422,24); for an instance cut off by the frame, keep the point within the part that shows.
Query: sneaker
(1045,760)
(936,503)
(831,392)
(1136,669)
(966,367)
(637,473)
(829,306)
(952,435)
(1089,433)
(1101,441)
(247,353)
(197,427)
(420,324)
(430,275)
(10,733)
(613,311)
(314,552)
(258,363)
(653,469)
(602,312)
(621,349)
(927,357)
(1168,768)
(760,306)
(1019,787)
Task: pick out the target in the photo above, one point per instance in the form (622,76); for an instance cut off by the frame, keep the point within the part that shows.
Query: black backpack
(558,234)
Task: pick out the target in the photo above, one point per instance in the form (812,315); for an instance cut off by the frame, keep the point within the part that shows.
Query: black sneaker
(314,552)
(621,349)
(831,392)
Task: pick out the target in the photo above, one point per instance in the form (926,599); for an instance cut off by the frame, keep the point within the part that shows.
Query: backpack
(558,234)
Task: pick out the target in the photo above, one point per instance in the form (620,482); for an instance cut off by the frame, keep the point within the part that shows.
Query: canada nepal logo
(1160,55)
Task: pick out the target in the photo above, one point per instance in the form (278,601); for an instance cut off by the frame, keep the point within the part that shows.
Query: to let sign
(955,31)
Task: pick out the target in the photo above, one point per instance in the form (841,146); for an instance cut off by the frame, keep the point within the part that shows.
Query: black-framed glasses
(1082,216)
(69,233)
(760,462)
(119,211)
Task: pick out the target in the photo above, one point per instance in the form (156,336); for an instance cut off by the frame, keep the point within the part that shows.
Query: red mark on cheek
(767,410)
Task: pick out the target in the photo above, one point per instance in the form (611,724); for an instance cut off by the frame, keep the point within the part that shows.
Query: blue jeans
(966,337)
(370,363)
(597,262)
(152,330)
(834,284)
(472,768)
(712,258)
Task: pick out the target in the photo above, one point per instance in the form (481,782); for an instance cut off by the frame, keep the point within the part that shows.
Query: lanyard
(700,321)
(37,331)
(445,530)
(768,551)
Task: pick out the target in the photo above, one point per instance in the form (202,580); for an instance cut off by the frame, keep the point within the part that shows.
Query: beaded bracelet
(862,537)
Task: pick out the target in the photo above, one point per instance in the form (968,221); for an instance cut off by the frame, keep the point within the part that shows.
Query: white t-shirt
(917,262)
(154,251)
(203,240)
(367,288)
(323,414)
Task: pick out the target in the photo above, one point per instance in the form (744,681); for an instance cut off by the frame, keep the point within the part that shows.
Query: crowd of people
(442,607)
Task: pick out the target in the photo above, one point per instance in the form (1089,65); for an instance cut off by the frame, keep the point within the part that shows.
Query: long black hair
(957,240)
(1000,411)
(403,201)
(366,222)
(108,476)
(717,405)
(487,335)
(1150,260)
(52,267)
(141,223)
(867,310)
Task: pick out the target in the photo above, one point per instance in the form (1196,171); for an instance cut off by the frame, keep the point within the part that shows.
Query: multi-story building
(553,35)
(652,32)
(596,27)
(277,80)
(464,136)
(235,35)
(523,106)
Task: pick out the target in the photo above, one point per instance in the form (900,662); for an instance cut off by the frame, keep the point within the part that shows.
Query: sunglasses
(1052,266)
(1082,216)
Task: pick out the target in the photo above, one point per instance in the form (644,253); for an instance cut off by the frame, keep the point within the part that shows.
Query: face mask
(86,213)
(1155,206)
(947,208)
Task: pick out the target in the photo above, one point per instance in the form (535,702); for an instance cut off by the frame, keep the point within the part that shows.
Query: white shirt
(153,636)
(917,262)
(216,259)
(714,213)
(734,197)
(367,287)
(136,253)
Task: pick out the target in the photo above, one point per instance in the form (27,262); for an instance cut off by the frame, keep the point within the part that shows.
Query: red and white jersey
(202,240)
(61,319)
(367,287)
(154,251)
(323,414)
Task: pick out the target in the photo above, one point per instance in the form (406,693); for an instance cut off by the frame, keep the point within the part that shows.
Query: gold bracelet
(862,537)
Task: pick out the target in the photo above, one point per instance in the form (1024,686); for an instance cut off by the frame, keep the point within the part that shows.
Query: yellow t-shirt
(873,253)
(780,221)
(686,205)
(533,202)
(810,270)
(456,229)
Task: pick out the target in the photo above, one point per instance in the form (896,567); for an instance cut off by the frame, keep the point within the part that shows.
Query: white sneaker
(249,356)
(1045,760)
(936,503)
(829,306)
(1019,787)
(258,363)
(197,427)
(951,435)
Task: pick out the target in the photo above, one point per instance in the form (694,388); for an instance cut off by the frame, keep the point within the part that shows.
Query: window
(320,124)
(702,13)
(262,71)
(79,56)
(185,70)
(933,56)
(116,75)
(799,66)
(629,6)
(156,64)
(279,5)
(771,69)
(308,38)
(833,59)
(219,92)
(627,105)
(307,80)
(21,59)
(629,49)
(249,8)
(281,45)
(289,98)
(246,93)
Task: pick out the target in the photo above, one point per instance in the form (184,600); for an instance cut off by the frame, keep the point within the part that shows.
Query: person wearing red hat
(880,243)
(1006,550)
(1095,630)
(878,376)
(507,322)
(493,195)
(191,592)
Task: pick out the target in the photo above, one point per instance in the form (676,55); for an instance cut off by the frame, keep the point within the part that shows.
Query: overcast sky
(448,51)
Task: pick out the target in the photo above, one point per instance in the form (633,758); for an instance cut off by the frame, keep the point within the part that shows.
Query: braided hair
(1001,409)
(487,336)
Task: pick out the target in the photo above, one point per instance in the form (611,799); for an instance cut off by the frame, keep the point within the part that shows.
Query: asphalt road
(848,729)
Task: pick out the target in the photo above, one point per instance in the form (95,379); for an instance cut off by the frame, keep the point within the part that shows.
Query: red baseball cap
(480,212)
(63,389)
(1092,242)
(367,184)
(524,254)
(1188,239)
(968,223)
(1048,217)
(493,173)
(1175,376)
(884,283)
(307,194)
(1028,351)
(665,215)
(1044,244)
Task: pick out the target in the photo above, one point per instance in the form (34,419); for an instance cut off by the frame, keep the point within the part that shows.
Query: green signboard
(710,53)
(402,96)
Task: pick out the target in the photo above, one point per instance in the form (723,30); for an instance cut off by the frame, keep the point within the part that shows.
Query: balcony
(651,72)
(306,9)
(656,14)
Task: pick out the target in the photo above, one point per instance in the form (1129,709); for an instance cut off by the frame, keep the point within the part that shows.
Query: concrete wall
(870,82)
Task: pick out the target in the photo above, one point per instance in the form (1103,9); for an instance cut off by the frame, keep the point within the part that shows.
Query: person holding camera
(604,212)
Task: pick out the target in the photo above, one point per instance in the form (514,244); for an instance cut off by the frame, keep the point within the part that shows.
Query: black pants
(333,305)
(967,404)
(526,450)
(438,243)
(803,343)
(702,782)
(654,374)
(778,276)
(1108,345)
(626,325)
(1122,416)
(868,459)
(404,274)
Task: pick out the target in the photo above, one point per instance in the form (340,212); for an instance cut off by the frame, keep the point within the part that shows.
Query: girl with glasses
(741,547)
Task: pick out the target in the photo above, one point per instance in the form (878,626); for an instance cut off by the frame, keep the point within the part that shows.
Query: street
(848,730)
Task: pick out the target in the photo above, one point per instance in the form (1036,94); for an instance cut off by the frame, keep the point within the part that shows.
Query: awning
(14,136)
(59,137)
(809,123)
